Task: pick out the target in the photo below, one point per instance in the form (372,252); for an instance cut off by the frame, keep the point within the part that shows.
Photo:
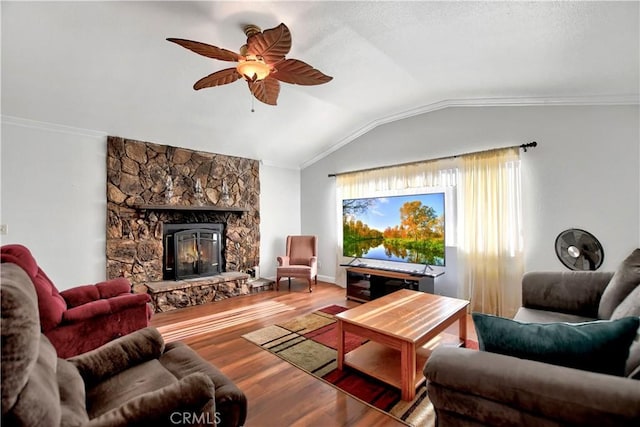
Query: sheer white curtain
(484,221)
(490,229)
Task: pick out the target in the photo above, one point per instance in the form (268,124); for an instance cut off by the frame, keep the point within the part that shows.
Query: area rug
(310,343)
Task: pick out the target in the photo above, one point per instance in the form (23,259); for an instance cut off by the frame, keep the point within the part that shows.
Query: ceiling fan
(261,62)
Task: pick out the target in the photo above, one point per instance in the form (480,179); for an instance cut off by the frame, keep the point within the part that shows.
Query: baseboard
(327,279)
(321,278)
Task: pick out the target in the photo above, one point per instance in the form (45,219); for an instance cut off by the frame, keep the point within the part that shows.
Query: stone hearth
(171,294)
(137,209)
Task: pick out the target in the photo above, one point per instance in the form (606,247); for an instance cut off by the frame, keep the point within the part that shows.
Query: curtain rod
(523,146)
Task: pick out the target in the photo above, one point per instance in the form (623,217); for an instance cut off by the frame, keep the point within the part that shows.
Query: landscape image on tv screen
(398,228)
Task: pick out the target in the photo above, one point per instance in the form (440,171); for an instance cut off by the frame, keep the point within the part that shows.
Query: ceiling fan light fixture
(253,69)
(261,62)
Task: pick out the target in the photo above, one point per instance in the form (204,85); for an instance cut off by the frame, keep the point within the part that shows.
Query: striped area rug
(216,321)
(310,343)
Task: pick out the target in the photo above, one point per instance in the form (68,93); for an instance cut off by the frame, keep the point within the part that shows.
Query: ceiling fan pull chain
(253,102)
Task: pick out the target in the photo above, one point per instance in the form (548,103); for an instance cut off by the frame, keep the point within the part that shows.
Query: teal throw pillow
(598,346)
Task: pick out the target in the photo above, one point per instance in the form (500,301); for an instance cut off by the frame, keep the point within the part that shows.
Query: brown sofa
(134,380)
(472,388)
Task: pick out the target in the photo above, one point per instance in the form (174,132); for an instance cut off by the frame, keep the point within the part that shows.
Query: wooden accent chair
(300,261)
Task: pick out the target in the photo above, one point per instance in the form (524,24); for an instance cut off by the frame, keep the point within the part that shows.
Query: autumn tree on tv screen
(399,228)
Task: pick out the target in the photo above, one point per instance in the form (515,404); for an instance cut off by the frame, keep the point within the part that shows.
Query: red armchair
(83,318)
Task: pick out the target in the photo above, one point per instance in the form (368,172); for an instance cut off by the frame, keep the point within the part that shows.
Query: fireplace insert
(192,250)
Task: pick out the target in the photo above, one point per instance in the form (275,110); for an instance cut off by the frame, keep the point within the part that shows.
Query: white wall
(279,214)
(52,197)
(584,173)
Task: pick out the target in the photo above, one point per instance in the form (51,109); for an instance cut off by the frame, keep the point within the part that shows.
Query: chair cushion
(85,294)
(21,338)
(80,295)
(630,306)
(598,346)
(624,281)
(118,355)
(50,304)
(72,395)
(38,403)
(182,361)
(87,311)
(126,385)
(188,401)
(114,287)
(37,387)
(231,403)
(294,271)
(301,249)
(532,315)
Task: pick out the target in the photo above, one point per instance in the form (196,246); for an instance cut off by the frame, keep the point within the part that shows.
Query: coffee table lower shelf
(383,363)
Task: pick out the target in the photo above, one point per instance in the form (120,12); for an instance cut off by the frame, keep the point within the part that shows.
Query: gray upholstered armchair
(135,380)
(469,387)
(300,261)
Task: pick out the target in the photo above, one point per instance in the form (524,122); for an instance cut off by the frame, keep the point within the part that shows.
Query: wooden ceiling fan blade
(207,50)
(219,78)
(298,72)
(266,90)
(272,45)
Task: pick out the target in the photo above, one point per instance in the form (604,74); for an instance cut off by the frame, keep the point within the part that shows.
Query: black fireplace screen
(192,250)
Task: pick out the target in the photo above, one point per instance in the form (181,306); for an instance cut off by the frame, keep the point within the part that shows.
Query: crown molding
(51,127)
(440,105)
(70,130)
(480,102)
(278,165)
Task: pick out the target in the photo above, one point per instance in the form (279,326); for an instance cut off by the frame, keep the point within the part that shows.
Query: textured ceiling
(106,66)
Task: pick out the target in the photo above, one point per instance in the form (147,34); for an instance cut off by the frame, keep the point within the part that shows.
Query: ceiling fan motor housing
(250,30)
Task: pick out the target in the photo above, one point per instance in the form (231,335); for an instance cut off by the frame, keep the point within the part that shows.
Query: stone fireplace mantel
(182,208)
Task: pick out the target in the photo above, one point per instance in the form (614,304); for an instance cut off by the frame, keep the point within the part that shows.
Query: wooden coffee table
(399,325)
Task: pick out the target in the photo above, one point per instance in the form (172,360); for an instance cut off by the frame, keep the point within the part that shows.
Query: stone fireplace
(208,190)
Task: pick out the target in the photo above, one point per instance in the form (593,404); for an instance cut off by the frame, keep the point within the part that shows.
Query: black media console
(368,283)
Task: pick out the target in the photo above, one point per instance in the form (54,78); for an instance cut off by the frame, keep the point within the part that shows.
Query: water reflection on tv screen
(398,228)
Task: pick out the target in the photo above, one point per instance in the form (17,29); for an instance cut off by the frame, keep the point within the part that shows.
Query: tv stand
(368,283)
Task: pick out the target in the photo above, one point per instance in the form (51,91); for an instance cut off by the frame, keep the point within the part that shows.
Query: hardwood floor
(278,393)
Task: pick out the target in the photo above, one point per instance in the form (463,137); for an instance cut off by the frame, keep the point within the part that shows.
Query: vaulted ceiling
(106,66)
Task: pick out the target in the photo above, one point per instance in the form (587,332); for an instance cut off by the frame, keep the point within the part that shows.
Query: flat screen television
(398,228)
